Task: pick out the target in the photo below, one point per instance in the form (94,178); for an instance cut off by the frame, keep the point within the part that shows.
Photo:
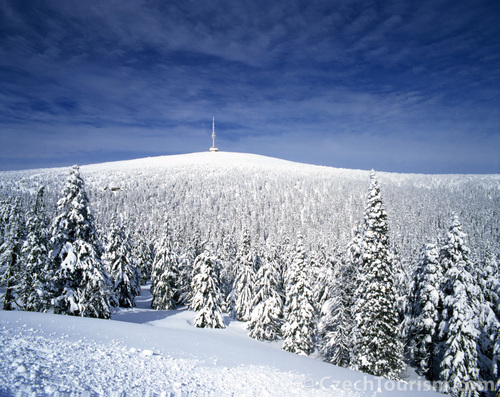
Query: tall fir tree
(458,329)
(322,268)
(118,260)
(81,287)
(489,317)
(163,276)
(189,266)
(184,277)
(320,279)
(403,270)
(377,346)
(284,252)
(326,296)
(10,254)
(265,320)
(426,311)
(206,297)
(34,290)
(336,324)
(331,336)
(229,252)
(5,216)
(495,364)
(143,252)
(244,281)
(299,326)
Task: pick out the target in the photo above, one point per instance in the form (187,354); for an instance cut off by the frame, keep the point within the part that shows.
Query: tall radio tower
(213,148)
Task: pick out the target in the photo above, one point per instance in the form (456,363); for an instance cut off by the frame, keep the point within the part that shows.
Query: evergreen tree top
(13,228)
(75,221)
(39,205)
(375,218)
(74,197)
(455,248)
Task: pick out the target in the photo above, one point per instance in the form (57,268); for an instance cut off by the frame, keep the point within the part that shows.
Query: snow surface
(146,352)
(200,158)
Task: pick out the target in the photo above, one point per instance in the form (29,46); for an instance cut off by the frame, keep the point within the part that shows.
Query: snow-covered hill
(146,352)
(221,194)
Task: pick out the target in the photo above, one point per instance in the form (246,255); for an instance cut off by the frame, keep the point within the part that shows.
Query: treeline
(360,307)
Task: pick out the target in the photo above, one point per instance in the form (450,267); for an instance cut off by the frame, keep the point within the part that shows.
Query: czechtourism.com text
(369,384)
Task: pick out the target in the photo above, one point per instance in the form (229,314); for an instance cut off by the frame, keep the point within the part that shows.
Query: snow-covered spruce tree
(226,283)
(118,261)
(163,276)
(265,321)
(4,218)
(5,215)
(336,324)
(195,247)
(143,253)
(489,316)
(329,310)
(495,365)
(299,322)
(272,253)
(10,253)
(184,277)
(80,283)
(458,331)
(321,266)
(34,292)
(377,346)
(284,252)
(329,330)
(426,311)
(228,254)
(403,270)
(206,298)
(243,288)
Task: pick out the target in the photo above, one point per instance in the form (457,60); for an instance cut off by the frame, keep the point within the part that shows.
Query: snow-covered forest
(368,271)
(220,196)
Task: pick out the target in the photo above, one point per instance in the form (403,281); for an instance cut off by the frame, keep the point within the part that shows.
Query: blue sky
(402,86)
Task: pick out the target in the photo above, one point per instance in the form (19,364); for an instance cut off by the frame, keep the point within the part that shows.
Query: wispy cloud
(290,79)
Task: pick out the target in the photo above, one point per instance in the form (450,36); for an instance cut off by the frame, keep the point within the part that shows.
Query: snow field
(34,361)
(158,353)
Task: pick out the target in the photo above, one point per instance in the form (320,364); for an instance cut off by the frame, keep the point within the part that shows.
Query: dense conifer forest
(372,271)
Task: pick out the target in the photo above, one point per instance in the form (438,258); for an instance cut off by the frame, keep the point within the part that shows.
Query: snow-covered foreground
(145,352)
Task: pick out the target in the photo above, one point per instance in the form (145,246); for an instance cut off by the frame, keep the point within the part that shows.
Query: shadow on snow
(142,313)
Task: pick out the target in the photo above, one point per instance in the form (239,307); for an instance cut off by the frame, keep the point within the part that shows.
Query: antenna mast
(213,148)
(213,131)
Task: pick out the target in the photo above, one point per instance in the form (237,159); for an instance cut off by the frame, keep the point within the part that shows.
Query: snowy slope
(146,352)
